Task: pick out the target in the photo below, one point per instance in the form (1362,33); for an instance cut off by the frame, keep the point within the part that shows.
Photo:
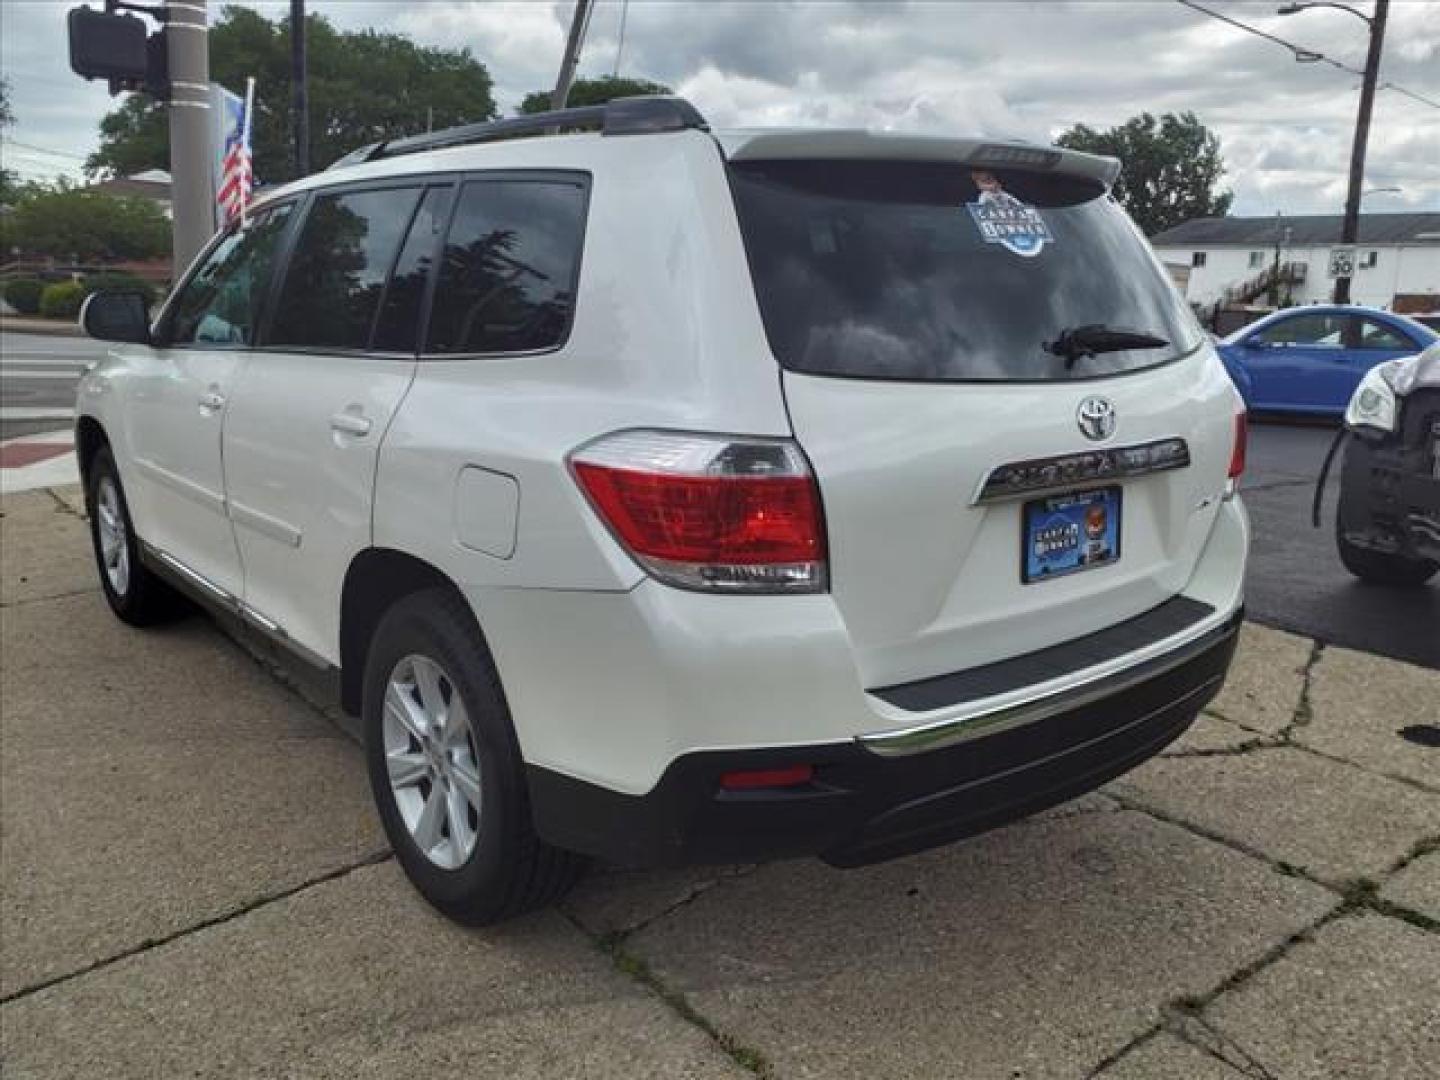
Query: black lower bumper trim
(861,807)
(1389,492)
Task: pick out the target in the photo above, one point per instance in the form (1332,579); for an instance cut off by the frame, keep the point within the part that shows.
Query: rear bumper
(864,806)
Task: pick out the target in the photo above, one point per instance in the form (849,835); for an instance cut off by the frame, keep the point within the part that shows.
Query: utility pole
(1275,266)
(191,129)
(1350,229)
(299,88)
(571,59)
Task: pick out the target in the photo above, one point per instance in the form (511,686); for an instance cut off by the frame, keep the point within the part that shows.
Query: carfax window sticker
(1003,219)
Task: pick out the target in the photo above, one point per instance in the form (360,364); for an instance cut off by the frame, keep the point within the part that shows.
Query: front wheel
(446,771)
(135,594)
(1381,568)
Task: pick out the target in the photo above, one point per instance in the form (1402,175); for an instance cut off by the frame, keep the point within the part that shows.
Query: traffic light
(108,45)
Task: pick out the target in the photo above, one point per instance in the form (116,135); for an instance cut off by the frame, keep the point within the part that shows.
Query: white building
(1232,259)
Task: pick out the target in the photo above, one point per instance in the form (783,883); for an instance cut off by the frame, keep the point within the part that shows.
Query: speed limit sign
(1342,262)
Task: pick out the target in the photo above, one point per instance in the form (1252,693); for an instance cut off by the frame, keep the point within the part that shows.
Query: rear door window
(398,325)
(1317,330)
(337,273)
(1376,335)
(937,272)
(510,266)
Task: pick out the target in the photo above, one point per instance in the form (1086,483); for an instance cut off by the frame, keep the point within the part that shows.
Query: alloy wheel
(432,761)
(114,546)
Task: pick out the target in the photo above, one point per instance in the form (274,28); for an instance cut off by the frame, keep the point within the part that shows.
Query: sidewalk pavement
(192,882)
(44,460)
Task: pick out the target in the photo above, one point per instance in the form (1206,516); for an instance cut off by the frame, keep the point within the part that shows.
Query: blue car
(1311,359)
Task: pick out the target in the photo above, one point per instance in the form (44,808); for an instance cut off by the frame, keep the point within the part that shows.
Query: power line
(1411,94)
(42,149)
(1300,52)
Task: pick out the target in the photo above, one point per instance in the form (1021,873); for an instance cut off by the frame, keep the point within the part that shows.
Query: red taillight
(709,512)
(1237,448)
(751,779)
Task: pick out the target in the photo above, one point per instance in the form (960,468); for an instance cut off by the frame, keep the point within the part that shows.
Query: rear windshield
(937,272)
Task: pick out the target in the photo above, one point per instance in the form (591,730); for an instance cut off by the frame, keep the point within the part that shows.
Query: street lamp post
(1350,229)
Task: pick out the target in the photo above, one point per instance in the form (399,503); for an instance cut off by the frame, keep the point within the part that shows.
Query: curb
(58,328)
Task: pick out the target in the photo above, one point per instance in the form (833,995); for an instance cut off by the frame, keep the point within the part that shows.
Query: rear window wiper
(1096,338)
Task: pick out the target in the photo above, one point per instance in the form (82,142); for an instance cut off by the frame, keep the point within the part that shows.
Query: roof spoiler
(843,144)
(621,116)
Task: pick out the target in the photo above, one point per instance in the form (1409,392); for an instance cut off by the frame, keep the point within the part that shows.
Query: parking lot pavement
(192,882)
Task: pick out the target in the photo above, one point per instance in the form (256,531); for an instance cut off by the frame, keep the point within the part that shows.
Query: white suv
(665,495)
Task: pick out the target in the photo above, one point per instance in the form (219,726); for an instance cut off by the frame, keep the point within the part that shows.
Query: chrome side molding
(203,589)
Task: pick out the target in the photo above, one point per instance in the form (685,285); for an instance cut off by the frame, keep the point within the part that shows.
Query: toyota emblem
(1096,418)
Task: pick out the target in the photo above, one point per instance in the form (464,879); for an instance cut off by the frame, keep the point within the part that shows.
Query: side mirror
(116,316)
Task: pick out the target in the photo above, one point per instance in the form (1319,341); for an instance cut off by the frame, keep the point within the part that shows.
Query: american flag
(236,177)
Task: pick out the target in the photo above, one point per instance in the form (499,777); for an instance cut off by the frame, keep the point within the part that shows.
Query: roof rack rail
(620,116)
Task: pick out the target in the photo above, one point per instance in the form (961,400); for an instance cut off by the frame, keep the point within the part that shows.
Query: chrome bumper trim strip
(990,716)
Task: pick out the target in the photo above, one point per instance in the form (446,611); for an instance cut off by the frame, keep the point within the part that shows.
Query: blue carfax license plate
(1068,533)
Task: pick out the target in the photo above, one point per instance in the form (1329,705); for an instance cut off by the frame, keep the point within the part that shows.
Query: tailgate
(937,321)
(927,578)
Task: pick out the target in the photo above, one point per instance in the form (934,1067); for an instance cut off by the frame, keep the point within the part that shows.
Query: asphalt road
(38,373)
(1296,581)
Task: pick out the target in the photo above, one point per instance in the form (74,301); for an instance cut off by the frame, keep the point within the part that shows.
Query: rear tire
(135,594)
(449,782)
(1380,568)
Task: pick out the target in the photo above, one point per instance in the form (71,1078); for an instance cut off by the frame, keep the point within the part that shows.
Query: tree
(7,117)
(593,92)
(364,87)
(72,223)
(1171,167)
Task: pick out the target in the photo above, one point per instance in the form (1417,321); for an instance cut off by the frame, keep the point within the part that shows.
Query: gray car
(1388,524)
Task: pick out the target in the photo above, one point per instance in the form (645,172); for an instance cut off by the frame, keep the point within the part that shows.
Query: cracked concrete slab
(1212,735)
(1333,820)
(619,901)
(44,549)
(1035,951)
(1417,887)
(1266,679)
(1360,707)
(1167,1058)
(150,780)
(353,978)
(1359,1001)
(72,495)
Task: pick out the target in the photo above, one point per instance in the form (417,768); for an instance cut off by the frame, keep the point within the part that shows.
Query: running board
(200,588)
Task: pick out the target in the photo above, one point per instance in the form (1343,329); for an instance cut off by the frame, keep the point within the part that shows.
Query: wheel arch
(90,437)
(376,579)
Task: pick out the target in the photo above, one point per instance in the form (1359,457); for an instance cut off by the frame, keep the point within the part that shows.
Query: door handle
(212,402)
(350,423)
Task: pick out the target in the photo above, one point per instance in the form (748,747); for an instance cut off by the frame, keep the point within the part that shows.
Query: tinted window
(1376,335)
(1325,331)
(220,304)
(399,322)
(346,247)
(911,270)
(508,275)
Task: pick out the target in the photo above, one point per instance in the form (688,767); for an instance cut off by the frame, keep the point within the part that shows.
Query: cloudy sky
(1028,68)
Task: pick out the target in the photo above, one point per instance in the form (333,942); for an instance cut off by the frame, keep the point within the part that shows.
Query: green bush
(23,294)
(120,281)
(62,300)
